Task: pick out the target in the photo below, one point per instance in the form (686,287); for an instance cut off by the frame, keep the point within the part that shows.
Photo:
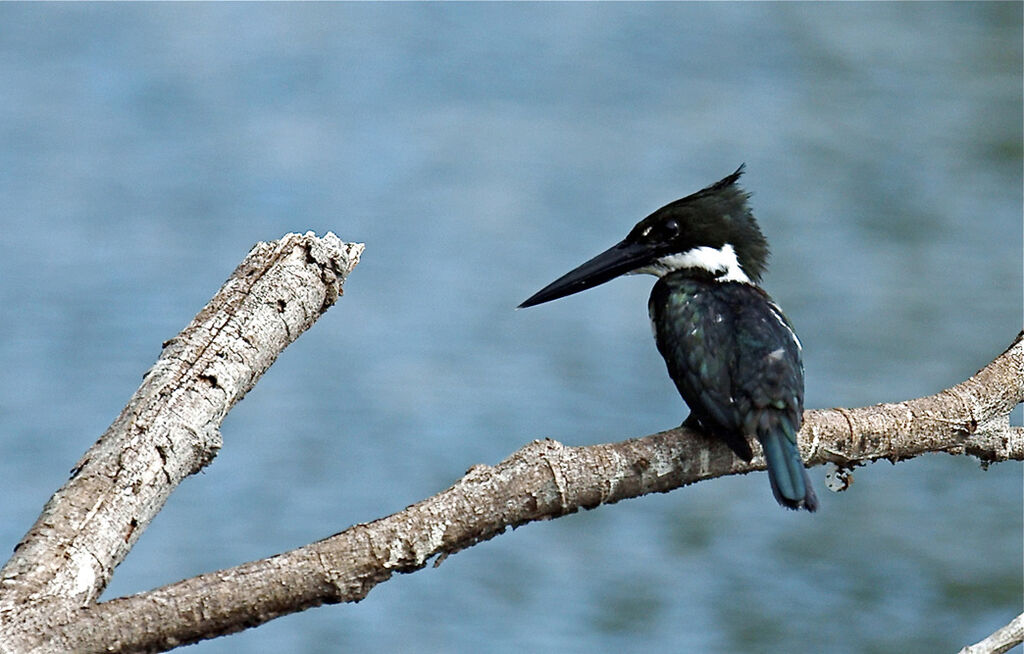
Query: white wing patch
(777,312)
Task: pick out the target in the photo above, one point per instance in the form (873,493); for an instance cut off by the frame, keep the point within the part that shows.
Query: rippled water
(480,151)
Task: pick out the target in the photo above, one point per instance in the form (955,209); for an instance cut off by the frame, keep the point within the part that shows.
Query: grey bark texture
(1003,640)
(169,430)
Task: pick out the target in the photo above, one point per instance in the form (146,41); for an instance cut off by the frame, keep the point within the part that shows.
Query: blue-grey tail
(790,483)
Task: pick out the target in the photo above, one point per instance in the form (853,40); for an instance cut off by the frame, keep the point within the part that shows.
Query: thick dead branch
(541,481)
(1003,640)
(170,430)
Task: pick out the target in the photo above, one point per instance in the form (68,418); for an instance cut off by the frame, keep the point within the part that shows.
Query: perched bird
(729,349)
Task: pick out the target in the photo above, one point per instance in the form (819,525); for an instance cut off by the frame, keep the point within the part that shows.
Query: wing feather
(732,355)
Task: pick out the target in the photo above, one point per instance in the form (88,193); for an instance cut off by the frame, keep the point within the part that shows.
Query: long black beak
(616,260)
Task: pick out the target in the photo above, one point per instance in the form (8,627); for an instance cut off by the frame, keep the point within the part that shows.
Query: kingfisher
(730,350)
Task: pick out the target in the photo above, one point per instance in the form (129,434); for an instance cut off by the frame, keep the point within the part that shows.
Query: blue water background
(480,151)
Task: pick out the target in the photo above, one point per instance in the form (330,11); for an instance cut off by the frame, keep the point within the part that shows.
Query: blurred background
(480,151)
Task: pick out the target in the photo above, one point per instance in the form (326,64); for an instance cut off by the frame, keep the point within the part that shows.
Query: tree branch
(1003,640)
(169,430)
(546,480)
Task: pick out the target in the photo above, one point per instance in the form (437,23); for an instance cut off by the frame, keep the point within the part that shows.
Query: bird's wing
(768,371)
(695,331)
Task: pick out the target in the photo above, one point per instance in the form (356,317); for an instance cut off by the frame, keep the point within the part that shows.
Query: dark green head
(711,232)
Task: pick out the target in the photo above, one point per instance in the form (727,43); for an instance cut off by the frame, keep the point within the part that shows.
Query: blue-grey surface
(480,151)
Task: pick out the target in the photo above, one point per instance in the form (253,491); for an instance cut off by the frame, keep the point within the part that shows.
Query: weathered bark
(545,480)
(48,606)
(169,430)
(1003,640)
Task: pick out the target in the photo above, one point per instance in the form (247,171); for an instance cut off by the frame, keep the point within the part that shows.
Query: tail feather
(790,483)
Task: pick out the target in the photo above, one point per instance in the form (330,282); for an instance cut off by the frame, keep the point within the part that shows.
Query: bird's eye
(671,228)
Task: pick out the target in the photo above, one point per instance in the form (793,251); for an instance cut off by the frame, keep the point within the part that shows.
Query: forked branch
(543,480)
